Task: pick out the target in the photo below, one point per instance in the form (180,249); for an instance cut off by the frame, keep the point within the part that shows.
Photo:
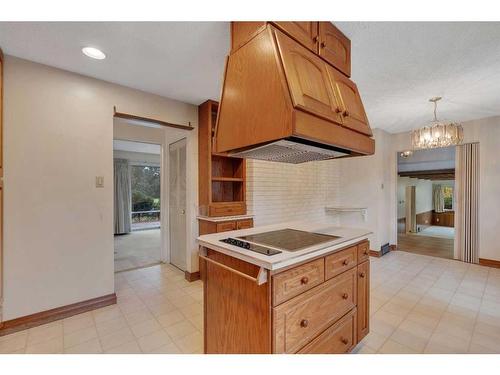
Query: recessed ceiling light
(93,53)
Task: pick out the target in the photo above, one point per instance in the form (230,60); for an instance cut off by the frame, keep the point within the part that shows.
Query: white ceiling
(130,146)
(397,66)
(180,60)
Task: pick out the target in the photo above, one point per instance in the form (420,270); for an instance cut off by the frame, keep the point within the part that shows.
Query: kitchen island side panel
(237,310)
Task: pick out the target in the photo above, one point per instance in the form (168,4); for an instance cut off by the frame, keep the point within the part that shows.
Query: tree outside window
(448,197)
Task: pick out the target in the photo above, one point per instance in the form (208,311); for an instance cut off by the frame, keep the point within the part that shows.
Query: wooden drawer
(228,209)
(298,321)
(225,226)
(363,251)
(340,338)
(244,224)
(339,262)
(291,283)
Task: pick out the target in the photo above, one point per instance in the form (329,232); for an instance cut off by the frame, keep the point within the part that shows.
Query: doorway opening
(150,174)
(426,202)
(137,197)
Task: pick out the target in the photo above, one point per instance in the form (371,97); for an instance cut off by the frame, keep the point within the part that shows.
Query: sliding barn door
(177,203)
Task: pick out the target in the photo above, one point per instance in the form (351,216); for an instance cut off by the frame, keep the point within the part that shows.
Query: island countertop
(348,236)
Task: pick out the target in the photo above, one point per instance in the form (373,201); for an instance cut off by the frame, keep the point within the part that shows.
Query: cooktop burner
(289,239)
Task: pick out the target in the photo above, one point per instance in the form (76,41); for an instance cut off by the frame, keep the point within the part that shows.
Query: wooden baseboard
(191,276)
(374,253)
(393,247)
(489,262)
(44,317)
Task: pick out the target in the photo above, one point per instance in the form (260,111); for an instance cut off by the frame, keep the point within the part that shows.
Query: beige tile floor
(419,304)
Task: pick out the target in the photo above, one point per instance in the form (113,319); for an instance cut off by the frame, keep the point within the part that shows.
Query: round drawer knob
(345,262)
(345,296)
(304,323)
(346,113)
(362,275)
(323,44)
(344,341)
(304,280)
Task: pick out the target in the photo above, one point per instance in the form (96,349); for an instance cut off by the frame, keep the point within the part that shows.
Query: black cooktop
(289,239)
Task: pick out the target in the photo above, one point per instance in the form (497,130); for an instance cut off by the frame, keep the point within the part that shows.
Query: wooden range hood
(283,101)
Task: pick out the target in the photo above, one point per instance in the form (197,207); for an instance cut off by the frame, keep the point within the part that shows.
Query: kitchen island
(287,288)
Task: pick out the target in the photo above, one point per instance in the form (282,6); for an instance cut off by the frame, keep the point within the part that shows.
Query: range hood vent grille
(289,151)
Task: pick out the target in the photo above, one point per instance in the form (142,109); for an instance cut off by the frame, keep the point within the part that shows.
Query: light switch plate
(99,181)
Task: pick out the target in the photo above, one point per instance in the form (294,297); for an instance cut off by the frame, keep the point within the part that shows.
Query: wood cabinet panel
(297,321)
(242,32)
(339,262)
(335,47)
(363,303)
(305,32)
(226,226)
(363,251)
(227,209)
(237,315)
(340,338)
(293,282)
(244,224)
(445,219)
(352,109)
(307,78)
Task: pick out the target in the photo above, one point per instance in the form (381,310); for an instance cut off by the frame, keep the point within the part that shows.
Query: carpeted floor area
(137,249)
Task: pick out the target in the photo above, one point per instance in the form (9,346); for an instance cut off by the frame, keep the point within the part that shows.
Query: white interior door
(177,203)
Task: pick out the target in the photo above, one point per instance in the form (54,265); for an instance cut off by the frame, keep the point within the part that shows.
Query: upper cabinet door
(308,80)
(335,47)
(352,109)
(305,32)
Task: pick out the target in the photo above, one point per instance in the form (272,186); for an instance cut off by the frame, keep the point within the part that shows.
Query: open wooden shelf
(221,178)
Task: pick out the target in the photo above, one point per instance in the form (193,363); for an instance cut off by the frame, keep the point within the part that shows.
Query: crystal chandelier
(437,133)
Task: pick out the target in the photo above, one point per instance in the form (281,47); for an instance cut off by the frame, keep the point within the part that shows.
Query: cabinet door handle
(304,323)
(304,280)
(345,296)
(344,341)
(315,39)
(323,44)
(345,262)
(346,113)
(338,110)
(362,275)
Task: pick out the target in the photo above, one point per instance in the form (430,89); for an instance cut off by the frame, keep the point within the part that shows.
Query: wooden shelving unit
(221,178)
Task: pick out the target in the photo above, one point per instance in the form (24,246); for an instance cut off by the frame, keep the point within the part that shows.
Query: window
(145,186)
(448,197)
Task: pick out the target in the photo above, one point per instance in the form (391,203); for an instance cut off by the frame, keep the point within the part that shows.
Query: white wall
(364,182)
(58,132)
(278,192)
(423,195)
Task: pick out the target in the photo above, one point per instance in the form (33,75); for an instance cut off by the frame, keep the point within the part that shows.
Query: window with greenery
(145,185)
(448,197)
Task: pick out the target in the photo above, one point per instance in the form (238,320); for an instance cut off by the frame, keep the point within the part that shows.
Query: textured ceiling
(397,66)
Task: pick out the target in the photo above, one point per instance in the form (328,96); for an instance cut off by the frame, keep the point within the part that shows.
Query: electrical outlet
(99,181)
